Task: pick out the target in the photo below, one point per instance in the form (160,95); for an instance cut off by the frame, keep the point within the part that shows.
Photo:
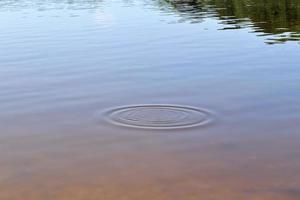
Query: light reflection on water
(278,21)
(64,62)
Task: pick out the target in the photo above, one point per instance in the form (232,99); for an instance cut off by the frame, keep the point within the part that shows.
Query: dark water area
(149,99)
(278,21)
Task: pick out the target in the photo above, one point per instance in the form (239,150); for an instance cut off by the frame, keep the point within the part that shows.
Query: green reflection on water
(277,20)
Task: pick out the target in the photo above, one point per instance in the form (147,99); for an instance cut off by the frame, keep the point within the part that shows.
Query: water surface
(64,63)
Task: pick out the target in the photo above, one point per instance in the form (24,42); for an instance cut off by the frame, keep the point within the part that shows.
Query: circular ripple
(158,116)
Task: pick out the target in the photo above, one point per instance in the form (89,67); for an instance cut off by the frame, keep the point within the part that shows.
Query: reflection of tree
(279,18)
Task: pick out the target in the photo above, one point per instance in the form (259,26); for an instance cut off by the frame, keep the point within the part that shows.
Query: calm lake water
(149,100)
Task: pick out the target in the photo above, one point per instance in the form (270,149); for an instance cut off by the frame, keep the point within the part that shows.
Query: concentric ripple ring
(158,116)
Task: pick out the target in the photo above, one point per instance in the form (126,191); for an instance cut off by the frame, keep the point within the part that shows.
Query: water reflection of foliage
(279,20)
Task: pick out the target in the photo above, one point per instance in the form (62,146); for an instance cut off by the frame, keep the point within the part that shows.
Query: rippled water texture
(158,116)
(149,100)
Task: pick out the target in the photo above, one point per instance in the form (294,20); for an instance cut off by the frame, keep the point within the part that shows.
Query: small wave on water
(158,116)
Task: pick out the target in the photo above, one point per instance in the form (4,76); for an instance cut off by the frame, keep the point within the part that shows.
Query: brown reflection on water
(277,20)
(82,159)
(58,73)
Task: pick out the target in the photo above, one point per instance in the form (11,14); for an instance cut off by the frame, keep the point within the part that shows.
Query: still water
(149,99)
